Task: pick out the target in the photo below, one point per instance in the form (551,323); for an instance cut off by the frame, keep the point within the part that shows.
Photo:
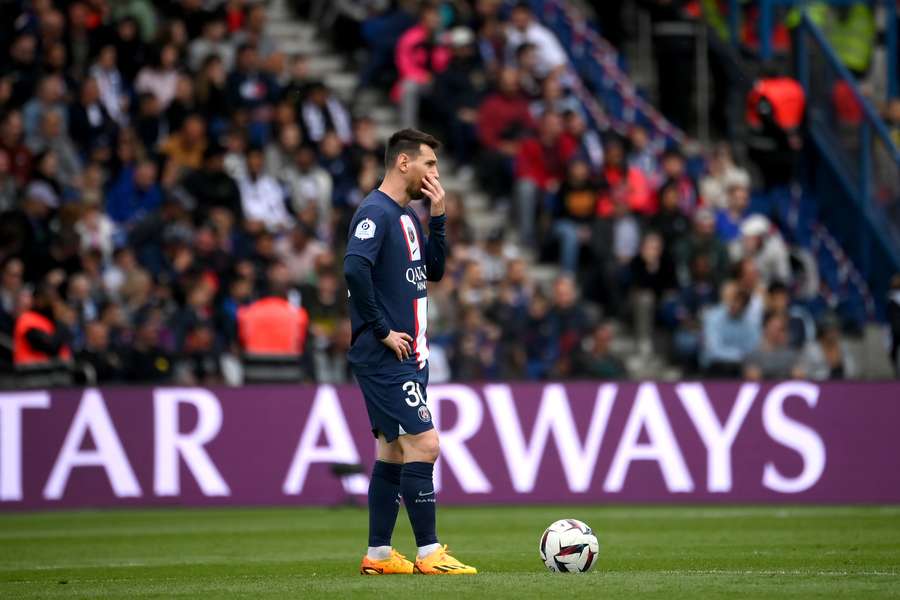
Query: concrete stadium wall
(584,442)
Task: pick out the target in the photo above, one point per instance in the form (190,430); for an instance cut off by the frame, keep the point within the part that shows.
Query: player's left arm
(436,247)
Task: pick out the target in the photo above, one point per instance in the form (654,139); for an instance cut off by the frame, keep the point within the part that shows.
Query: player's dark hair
(409,142)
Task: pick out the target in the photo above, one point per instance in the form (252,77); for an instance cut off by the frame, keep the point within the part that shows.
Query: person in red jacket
(419,56)
(540,167)
(41,335)
(503,120)
(272,325)
(624,184)
(776,107)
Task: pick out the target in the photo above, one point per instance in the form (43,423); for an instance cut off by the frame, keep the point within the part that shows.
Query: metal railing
(854,144)
(610,97)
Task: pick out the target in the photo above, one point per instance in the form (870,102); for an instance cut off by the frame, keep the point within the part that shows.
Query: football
(569,546)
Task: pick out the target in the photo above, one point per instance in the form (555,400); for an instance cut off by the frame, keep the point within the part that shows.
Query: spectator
(182,104)
(419,56)
(503,120)
(90,125)
(146,359)
(595,359)
(299,80)
(299,252)
(134,193)
(731,331)
(539,339)
(651,276)
(109,82)
(576,207)
(272,325)
(674,170)
(529,77)
(131,52)
(12,284)
(50,98)
(590,147)
(254,32)
(643,155)
(23,69)
(104,359)
(51,137)
(42,334)
(210,92)
(309,185)
(775,113)
(8,189)
(262,198)
(213,42)
(773,358)
(729,218)
(567,316)
(95,231)
(475,355)
(211,188)
(184,149)
(79,42)
(195,332)
(280,153)
(762,242)
(365,143)
(335,160)
(828,357)
(624,184)
(12,143)
(702,244)
(551,58)
(249,88)
(671,222)
(554,99)
(322,112)
(540,168)
(721,170)
(458,91)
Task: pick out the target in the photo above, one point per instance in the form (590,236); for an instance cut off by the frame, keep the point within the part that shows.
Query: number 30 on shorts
(413,393)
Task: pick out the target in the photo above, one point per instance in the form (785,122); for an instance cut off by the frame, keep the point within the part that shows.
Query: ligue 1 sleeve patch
(365,229)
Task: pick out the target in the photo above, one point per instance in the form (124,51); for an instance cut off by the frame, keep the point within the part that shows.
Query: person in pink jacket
(419,55)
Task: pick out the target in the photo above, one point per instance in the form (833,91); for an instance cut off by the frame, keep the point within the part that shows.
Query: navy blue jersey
(391,239)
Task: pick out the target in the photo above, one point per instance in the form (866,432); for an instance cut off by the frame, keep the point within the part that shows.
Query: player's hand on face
(400,344)
(431,186)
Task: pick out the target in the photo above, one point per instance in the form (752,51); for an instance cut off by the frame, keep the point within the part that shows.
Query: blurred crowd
(175,193)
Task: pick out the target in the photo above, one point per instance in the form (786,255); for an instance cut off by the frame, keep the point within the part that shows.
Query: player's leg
(384,497)
(420,451)
(384,485)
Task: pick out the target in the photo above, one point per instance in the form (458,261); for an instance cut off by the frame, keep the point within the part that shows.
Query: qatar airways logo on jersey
(417,277)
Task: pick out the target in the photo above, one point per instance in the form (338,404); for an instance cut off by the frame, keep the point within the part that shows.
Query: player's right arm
(367,233)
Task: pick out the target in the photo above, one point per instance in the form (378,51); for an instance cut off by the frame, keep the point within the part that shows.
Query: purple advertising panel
(500,443)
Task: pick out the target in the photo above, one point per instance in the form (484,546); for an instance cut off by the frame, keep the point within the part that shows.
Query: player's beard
(414,190)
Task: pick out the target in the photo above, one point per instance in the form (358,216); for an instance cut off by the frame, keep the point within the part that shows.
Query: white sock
(379,552)
(426,550)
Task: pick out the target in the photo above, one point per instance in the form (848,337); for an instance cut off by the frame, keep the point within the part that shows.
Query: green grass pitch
(653,552)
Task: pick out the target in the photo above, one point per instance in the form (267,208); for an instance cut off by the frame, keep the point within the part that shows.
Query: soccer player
(388,262)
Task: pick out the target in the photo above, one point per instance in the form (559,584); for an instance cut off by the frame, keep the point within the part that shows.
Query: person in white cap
(762,242)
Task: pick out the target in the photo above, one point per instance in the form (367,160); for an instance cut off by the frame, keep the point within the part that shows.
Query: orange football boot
(396,564)
(440,562)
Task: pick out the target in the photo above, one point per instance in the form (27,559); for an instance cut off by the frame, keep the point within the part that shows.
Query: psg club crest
(424,414)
